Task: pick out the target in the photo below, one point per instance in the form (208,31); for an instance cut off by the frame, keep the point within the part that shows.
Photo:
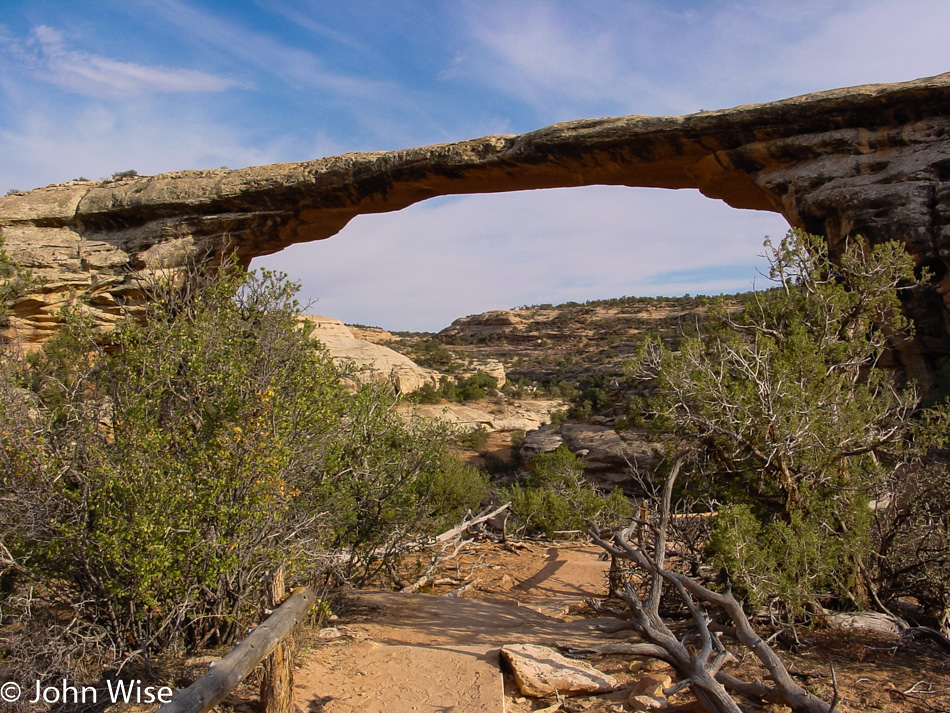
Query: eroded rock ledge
(873,160)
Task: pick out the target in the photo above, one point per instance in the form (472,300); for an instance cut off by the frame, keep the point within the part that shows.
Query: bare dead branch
(698,669)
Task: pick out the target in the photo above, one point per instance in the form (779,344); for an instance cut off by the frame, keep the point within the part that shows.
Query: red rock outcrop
(873,160)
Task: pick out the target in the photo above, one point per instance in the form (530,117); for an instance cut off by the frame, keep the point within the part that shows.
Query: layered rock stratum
(369,360)
(871,160)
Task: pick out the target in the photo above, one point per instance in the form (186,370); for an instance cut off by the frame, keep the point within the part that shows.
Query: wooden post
(644,518)
(277,685)
(214,686)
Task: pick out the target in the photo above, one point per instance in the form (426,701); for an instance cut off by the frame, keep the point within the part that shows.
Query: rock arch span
(873,160)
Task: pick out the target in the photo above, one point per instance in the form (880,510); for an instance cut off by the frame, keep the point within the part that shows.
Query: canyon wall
(873,160)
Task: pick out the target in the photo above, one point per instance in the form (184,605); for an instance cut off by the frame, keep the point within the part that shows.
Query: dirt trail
(431,653)
(403,653)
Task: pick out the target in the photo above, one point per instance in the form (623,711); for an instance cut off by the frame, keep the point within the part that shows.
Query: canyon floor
(410,653)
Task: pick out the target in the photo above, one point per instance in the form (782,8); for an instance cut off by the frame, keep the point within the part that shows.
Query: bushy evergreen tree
(790,422)
(557,496)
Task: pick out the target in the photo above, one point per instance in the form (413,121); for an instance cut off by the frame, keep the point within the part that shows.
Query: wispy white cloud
(864,42)
(296,15)
(564,59)
(554,59)
(383,112)
(46,55)
(100,139)
(453,69)
(302,68)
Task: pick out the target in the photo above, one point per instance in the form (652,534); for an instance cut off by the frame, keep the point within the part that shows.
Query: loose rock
(540,671)
(651,685)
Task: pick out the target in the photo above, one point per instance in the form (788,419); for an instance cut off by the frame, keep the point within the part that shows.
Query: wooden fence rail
(214,686)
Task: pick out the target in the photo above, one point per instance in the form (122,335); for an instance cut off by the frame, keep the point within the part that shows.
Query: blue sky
(95,87)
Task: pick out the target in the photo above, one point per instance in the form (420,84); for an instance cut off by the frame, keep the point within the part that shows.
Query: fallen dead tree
(698,666)
(471,521)
(450,544)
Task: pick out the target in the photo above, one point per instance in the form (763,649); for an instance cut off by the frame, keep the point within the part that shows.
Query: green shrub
(556,496)
(431,354)
(789,560)
(426,394)
(475,439)
(558,419)
(14,282)
(477,386)
(789,420)
(516,387)
(161,475)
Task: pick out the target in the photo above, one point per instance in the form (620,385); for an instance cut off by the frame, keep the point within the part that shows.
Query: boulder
(540,671)
(544,440)
(646,693)
(651,685)
(378,362)
(605,450)
(646,703)
(610,461)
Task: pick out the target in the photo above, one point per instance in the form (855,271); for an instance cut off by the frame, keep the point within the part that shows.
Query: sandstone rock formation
(375,335)
(610,459)
(544,440)
(609,455)
(873,160)
(520,415)
(541,671)
(492,367)
(379,362)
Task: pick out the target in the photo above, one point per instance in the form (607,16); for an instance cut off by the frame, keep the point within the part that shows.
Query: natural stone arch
(873,160)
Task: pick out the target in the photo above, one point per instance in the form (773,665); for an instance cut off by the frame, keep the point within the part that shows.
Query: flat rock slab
(541,671)
(371,678)
(419,652)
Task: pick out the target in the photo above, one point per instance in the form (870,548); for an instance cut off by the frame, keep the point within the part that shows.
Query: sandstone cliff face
(873,160)
(372,360)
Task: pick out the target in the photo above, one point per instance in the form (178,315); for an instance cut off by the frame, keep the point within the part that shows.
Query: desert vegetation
(792,429)
(810,473)
(555,498)
(154,477)
(808,458)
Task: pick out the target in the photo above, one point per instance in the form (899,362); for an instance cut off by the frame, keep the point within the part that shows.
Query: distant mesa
(873,160)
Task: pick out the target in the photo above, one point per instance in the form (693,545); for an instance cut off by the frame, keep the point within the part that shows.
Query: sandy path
(366,677)
(403,653)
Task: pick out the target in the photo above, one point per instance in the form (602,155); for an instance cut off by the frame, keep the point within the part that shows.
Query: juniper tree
(790,419)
